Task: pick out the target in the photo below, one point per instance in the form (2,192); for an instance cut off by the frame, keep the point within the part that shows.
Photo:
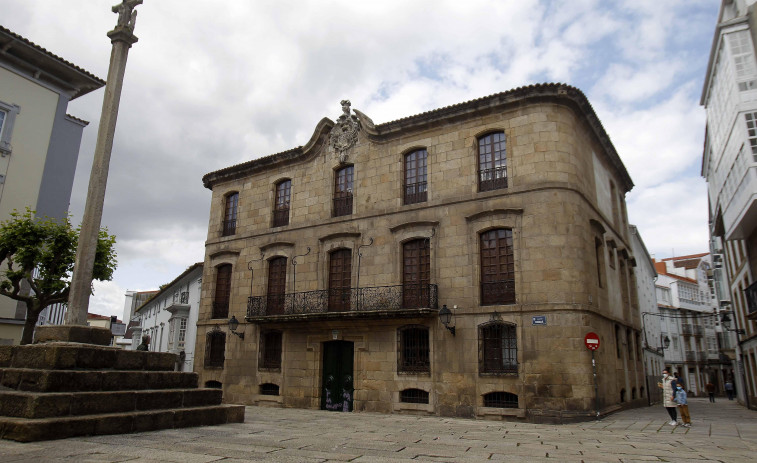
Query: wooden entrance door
(340,279)
(337,383)
(416,274)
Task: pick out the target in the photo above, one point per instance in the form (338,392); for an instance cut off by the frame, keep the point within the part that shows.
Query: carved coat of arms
(344,134)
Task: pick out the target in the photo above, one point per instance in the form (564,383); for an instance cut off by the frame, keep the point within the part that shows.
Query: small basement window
(213,384)
(414,396)
(269,389)
(501,399)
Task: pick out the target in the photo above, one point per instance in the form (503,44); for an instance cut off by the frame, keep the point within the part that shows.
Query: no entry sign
(592,341)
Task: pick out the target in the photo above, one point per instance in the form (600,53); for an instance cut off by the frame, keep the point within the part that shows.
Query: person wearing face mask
(683,405)
(667,396)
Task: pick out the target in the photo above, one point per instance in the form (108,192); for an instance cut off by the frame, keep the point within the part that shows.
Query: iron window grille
(281,203)
(269,389)
(498,349)
(416,177)
(414,396)
(270,350)
(413,350)
(230,214)
(215,347)
(501,399)
(492,162)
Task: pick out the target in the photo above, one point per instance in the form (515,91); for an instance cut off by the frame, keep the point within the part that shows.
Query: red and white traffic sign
(592,341)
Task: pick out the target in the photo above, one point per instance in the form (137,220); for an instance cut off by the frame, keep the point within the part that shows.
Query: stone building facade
(338,256)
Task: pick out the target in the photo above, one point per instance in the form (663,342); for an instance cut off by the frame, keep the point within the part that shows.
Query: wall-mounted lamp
(233,325)
(725,319)
(445,316)
(665,342)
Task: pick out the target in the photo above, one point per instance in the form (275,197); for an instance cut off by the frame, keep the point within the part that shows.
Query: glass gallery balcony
(398,301)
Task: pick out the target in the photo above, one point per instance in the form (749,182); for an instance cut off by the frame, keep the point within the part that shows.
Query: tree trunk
(32,315)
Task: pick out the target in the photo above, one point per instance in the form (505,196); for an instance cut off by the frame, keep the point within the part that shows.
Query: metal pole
(359,255)
(294,275)
(596,386)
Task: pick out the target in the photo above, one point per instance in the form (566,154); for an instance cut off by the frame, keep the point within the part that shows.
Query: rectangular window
(415,177)
(182,333)
(276,285)
(492,162)
(416,274)
(8,114)
(497,267)
(343,187)
(230,214)
(413,350)
(340,280)
(281,203)
(223,291)
(498,350)
(270,350)
(215,347)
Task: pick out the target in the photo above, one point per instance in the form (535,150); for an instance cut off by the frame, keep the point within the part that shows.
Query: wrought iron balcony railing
(342,204)
(492,179)
(220,309)
(371,299)
(416,193)
(229,227)
(281,217)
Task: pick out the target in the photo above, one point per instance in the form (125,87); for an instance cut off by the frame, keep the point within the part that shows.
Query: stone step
(30,430)
(68,356)
(35,380)
(47,405)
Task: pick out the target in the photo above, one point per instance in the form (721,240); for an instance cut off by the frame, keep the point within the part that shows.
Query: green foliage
(49,247)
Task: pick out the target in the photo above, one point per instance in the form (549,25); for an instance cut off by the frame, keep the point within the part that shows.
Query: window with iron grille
(343,187)
(414,396)
(415,177)
(498,349)
(497,267)
(277,275)
(215,347)
(281,203)
(230,214)
(270,350)
(501,399)
(223,291)
(413,350)
(269,389)
(340,280)
(492,162)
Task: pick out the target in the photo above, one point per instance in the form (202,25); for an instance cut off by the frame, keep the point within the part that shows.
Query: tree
(39,256)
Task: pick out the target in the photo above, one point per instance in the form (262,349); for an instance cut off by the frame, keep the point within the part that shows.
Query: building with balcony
(688,321)
(169,317)
(446,263)
(39,141)
(729,163)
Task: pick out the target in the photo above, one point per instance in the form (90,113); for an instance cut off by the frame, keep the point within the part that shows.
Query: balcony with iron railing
(416,193)
(492,179)
(370,302)
(281,217)
(229,227)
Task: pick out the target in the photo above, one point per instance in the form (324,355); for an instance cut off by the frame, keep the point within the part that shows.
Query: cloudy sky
(211,84)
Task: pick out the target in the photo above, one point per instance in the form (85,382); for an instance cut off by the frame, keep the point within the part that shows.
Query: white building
(170,317)
(688,319)
(39,142)
(729,164)
(645,275)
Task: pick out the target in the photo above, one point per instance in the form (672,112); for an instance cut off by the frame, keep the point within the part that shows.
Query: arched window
(497,349)
(340,280)
(343,188)
(215,347)
(223,291)
(281,203)
(413,349)
(415,177)
(492,162)
(230,214)
(414,396)
(500,399)
(277,276)
(497,267)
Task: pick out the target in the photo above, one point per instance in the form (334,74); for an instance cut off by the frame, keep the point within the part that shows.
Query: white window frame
(6,126)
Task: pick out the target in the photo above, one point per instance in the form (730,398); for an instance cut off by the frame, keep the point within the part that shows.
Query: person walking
(729,389)
(683,405)
(710,388)
(666,384)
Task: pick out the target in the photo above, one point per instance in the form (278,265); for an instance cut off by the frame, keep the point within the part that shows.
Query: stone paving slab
(723,432)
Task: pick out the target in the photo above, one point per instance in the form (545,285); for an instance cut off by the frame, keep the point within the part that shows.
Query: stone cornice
(550,92)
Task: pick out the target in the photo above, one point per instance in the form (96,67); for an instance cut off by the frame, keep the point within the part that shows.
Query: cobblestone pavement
(721,432)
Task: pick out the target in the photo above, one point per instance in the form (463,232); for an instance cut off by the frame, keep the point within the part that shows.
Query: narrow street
(721,432)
